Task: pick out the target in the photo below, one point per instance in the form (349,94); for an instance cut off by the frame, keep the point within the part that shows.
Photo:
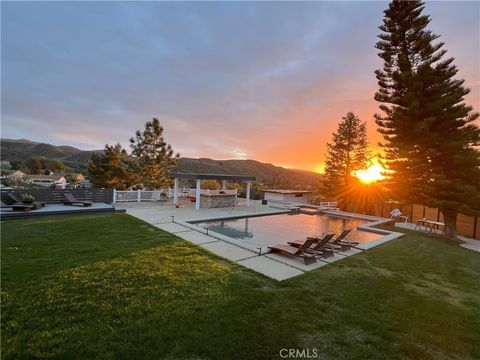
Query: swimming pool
(261,231)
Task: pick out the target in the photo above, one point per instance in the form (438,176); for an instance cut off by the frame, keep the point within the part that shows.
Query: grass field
(113,287)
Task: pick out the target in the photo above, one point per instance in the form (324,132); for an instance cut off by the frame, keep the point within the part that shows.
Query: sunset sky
(266,81)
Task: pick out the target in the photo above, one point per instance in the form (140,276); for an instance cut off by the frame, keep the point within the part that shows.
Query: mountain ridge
(18,150)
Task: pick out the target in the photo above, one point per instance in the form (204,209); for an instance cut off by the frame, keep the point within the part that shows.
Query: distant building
(288,196)
(85,184)
(45,180)
(12,174)
(76,177)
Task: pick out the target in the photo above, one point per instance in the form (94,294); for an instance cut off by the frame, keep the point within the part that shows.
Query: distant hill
(266,173)
(17,151)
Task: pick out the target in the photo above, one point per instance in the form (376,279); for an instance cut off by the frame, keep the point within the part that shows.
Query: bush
(28,198)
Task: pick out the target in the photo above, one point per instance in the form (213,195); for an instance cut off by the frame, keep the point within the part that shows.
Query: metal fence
(329,204)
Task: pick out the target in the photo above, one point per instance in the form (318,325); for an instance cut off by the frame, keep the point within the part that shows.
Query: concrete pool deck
(276,266)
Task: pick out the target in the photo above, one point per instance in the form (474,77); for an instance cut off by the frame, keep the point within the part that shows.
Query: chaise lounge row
(314,247)
(16,204)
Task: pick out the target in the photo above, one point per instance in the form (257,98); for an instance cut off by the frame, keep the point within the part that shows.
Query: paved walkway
(273,265)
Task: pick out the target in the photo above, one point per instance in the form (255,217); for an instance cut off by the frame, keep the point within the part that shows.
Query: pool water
(261,231)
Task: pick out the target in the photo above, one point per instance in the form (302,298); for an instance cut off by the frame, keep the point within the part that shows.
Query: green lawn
(113,287)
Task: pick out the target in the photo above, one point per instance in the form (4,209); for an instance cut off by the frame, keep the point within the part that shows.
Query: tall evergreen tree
(429,133)
(155,158)
(346,153)
(33,165)
(112,169)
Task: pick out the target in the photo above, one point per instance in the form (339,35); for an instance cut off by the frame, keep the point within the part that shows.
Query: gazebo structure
(199,177)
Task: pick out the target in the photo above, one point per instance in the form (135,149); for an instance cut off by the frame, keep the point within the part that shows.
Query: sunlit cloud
(268,81)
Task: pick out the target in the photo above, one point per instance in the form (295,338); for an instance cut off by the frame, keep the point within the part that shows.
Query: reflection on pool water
(262,231)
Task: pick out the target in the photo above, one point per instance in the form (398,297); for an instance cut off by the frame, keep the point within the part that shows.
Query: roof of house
(74,175)
(198,176)
(43,177)
(10,172)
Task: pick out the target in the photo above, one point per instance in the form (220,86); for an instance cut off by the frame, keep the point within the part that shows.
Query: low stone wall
(217,200)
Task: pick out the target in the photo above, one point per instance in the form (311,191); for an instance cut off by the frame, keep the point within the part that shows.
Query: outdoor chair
(318,247)
(342,238)
(296,251)
(19,207)
(14,200)
(341,242)
(70,199)
(396,213)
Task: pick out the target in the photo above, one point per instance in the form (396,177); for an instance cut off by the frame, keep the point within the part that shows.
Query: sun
(371,174)
(319,169)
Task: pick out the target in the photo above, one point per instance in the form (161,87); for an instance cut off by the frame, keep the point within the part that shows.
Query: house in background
(84,184)
(72,177)
(288,196)
(45,180)
(11,174)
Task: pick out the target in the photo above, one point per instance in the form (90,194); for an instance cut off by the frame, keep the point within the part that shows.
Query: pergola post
(197,195)
(175,191)
(230,197)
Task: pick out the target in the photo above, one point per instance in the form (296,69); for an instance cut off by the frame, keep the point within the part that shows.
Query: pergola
(199,177)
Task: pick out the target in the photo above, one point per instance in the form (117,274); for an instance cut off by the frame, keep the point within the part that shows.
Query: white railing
(162,194)
(142,195)
(329,204)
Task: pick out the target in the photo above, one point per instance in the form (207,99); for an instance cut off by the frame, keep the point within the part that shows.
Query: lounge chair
(318,247)
(19,207)
(14,200)
(296,251)
(342,238)
(341,242)
(397,214)
(70,199)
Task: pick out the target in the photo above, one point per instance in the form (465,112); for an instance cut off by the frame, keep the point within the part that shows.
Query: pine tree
(155,158)
(112,169)
(33,165)
(429,132)
(346,153)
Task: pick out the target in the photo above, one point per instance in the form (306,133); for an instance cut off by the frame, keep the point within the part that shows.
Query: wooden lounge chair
(342,239)
(70,199)
(16,201)
(318,247)
(296,251)
(341,242)
(18,207)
